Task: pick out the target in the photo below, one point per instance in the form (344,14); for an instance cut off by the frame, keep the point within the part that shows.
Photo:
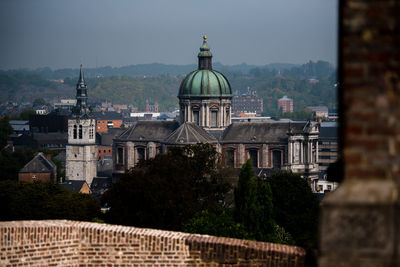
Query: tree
(253,204)
(41,201)
(295,207)
(168,190)
(12,162)
(217,223)
(5,131)
(26,113)
(39,102)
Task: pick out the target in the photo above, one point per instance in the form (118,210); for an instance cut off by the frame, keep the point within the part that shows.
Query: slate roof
(149,131)
(100,183)
(107,115)
(51,138)
(39,164)
(73,185)
(260,132)
(190,133)
(106,139)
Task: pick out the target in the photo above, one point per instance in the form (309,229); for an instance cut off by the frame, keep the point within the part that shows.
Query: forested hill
(309,84)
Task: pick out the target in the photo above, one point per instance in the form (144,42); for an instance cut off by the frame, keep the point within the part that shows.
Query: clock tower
(81,151)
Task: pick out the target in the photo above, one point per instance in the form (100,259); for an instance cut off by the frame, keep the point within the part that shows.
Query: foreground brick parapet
(71,243)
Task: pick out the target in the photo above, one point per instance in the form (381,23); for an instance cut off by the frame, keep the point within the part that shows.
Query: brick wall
(360,221)
(69,243)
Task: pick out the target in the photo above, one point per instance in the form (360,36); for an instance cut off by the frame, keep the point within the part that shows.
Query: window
(80,131)
(196,117)
(91,135)
(229,157)
(75,131)
(140,153)
(329,187)
(277,159)
(120,155)
(214,116)
(253,155)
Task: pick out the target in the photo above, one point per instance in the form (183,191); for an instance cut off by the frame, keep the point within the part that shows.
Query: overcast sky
(61,34)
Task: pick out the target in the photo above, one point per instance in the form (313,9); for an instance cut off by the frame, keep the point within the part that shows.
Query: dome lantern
(205,94)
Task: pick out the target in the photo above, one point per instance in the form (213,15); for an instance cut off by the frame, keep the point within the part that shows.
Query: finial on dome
(205,37)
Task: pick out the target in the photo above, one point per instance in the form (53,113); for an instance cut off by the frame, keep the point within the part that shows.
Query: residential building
(247,103)
(39,169)
(285,104)
(77,186)
(320,111)
(106,120)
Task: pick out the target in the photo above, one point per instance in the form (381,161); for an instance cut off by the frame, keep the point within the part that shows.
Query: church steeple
(205,56)
(81,107)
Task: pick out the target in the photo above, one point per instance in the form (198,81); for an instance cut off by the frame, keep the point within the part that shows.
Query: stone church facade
(81,151)
(205,117)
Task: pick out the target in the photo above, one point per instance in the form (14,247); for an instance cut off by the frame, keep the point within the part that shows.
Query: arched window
(277,159)
(214,118)
(75,131)
(80,131)
(253,155)
(141,153)
(229,157)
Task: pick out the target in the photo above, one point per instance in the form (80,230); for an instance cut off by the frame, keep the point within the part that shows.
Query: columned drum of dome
(205,95)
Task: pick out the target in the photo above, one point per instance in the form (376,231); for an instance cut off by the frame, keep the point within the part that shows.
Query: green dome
(205,83)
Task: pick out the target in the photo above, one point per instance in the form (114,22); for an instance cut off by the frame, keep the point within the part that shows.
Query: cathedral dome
(205,83)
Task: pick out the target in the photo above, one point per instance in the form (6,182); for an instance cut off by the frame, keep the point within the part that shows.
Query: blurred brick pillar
(360,221)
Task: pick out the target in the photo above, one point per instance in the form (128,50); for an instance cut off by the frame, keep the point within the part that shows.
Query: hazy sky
(59,34)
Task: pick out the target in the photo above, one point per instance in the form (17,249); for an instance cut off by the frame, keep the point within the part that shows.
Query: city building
(205,95)
(81,151)
(151,108)
(106,120)
(65,104)
(247,102)
(39,169)
(205,117)
(285,104)
(319,111)
(76,186)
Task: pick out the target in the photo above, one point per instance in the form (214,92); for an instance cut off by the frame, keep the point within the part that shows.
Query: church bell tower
(81,151)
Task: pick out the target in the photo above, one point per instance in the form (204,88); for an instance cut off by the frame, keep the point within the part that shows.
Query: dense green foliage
(253,204)
(12,162)
(5,131)
(295,207)
(217,223)
(160,83)
(167,191)
(41,201)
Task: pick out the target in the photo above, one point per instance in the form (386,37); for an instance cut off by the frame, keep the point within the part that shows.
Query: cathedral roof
(149,131)
(260,132)
(190,133)
(205,82)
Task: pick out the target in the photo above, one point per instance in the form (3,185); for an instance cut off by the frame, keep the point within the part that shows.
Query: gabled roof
(99,183)
(74,185)
(38,164)
(149,131)
(260,132)
(190,133)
